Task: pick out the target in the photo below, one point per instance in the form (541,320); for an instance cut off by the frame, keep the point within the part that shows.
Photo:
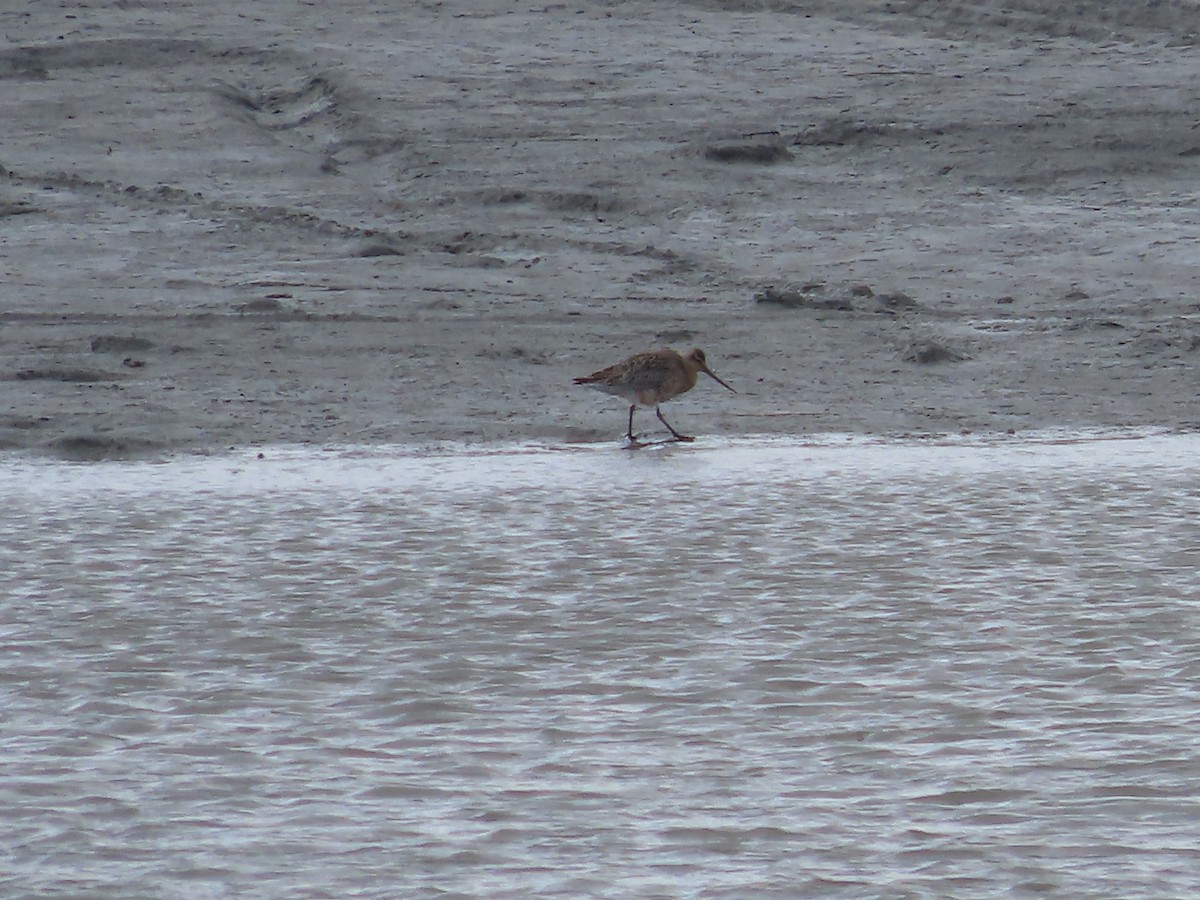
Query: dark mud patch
(582,202)
(38,61)
(517,354)
(820,295)
(116,343)
(927,353)
(674,336)
(764,150)
(264,306)
(840,131)
(379,249)
(93,448)
(23,423)
(71,375)
(17,208)
(504,196)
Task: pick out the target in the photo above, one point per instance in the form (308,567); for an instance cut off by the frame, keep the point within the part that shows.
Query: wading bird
(651,378)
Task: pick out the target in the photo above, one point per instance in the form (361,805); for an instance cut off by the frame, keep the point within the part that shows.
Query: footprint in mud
(316,109)
(283,108)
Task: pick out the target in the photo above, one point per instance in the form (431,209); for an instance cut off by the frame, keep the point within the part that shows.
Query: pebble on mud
(929,353)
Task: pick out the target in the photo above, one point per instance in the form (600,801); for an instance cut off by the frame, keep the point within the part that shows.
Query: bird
(651,378)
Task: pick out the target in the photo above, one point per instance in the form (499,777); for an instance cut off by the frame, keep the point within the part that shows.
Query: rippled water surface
(723,670)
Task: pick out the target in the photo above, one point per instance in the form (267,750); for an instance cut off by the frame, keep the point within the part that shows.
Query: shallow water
(843,668)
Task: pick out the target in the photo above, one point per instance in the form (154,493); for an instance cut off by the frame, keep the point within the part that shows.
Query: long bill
(709,372)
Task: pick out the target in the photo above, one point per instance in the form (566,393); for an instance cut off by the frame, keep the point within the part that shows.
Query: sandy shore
(228,224)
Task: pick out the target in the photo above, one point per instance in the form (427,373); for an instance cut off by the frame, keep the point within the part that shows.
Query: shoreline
(932,221)
(499,449)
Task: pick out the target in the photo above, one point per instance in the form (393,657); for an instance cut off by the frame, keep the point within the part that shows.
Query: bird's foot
(637,443)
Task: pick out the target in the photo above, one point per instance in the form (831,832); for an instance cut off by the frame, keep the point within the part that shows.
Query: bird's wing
(648,371)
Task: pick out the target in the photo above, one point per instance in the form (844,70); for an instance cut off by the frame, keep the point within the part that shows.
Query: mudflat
(228,225)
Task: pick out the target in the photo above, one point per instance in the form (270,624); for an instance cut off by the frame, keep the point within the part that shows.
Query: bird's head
(697,360)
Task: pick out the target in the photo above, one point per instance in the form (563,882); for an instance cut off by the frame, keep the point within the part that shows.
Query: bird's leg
(634,443)
(678,436)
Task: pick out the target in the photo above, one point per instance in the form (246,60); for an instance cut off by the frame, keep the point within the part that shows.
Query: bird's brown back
(649,377)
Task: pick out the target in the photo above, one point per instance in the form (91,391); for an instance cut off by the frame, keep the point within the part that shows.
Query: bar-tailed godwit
(651,378)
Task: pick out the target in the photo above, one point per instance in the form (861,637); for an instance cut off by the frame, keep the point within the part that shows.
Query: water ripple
(838,669)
